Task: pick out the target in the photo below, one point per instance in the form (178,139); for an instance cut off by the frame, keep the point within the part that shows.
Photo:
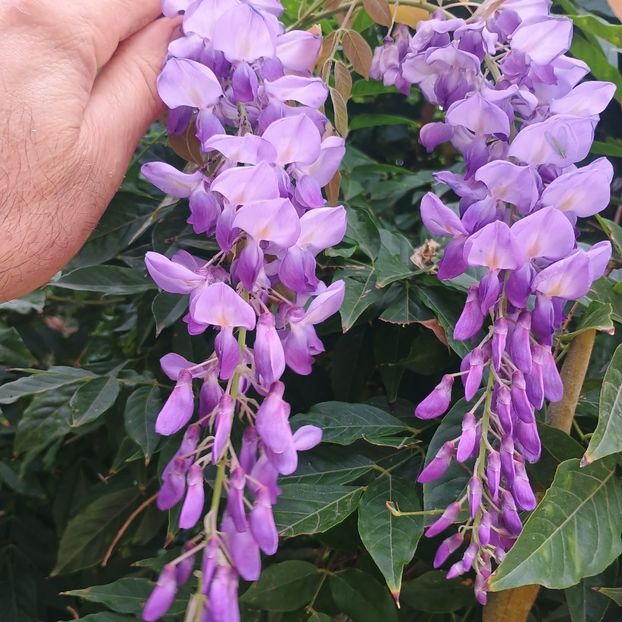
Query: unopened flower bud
(499,338)
(471,318)
(161,599)
(437,403)
(178,408)
(474,495)
(438,465)
(521,488)
(519,347)
(468,438)
(447,518)
(195,498)
(446,548)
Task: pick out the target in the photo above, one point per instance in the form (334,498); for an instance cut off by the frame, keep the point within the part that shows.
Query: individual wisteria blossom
(517,112)
(243,86)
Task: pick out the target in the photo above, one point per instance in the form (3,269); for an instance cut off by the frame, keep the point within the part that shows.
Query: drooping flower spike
(243,86)
(517,113)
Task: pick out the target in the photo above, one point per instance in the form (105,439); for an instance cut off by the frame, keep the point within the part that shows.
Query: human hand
(77,92)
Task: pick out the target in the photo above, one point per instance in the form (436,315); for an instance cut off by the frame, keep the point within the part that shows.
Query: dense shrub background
(79,459)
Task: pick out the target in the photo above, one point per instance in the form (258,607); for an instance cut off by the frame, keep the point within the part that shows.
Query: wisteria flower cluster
(243,86)
(515,109)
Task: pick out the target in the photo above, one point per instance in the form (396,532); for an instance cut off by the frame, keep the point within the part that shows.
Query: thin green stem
(395,512)
(306,15)
(492,67)
(480,465)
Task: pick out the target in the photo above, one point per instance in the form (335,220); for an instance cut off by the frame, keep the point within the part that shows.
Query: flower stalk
(241,86)
(519,199)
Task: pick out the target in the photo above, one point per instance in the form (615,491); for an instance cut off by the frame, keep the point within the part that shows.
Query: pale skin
(77,92)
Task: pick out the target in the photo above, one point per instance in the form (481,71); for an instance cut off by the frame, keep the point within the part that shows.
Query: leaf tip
(395,594)
(586,460)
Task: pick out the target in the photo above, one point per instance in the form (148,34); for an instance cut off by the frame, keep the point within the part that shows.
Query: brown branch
(574,369)
(144,505)
(514,605)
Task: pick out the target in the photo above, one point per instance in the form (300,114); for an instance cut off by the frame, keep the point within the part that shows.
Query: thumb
(124,100)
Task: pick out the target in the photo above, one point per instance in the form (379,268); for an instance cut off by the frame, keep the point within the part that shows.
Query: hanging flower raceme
(243,86)
(515,110)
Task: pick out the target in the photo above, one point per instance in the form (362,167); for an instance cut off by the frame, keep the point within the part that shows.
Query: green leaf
(361,597)
(328,465)
(450,486)
(364,231)
(610,147)
(141,411)
(343,423)
(613,232)
(40,382)
(360,121)
(573,533)
(127,595)
(446,306)
(557,447)
(26,304)
(88,534)
(308,508)
(18,587)
(106,280)
(45,421)
(591,52)
(390,540)
(604,290)
(607,438)
(390,267)
(13,351)
(584,603)
(287,586)
(614,593)
(359,296)
(123,218)
(27,487)
(598,316)
(405,309)
(600,28)
(432,592)
(370,88)
(93,399)
(167,309)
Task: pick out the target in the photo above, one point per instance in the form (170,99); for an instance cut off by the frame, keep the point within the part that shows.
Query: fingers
(124,99)
(113,21)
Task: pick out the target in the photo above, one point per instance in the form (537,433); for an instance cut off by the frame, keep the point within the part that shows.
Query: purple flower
(222,602)
(471,319)
(581,192)
(468,438)
(185,82)
(438,465)
(437,403)
(173,484)
(445,521)
(262,523)
(243,86)
(178,408)
(161,599)
(222,425)
(298,49)
(192,508)
(446,548)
